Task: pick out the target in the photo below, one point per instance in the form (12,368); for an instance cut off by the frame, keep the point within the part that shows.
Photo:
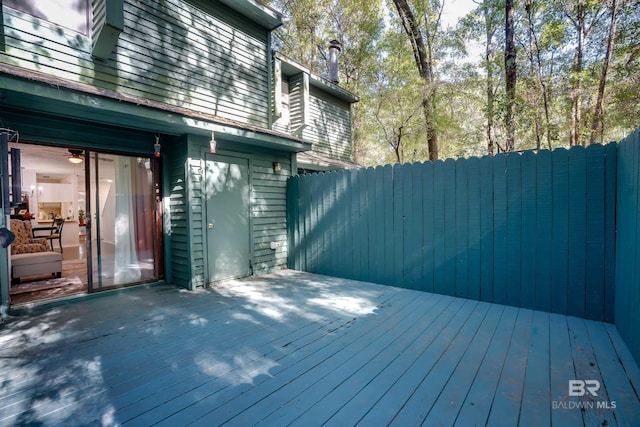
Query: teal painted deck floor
(303,349)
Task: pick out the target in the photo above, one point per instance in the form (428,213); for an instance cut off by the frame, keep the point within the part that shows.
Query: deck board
(536,404)
(505,408)
(449,402)
(587,368)
(561,371)
(295,348)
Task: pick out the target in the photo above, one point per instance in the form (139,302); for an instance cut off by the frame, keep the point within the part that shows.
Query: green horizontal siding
(195,170)
(206,58)
(268,211)
(330,125)
(176,214)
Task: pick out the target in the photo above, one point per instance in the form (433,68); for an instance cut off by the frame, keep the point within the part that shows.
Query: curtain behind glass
(126,267)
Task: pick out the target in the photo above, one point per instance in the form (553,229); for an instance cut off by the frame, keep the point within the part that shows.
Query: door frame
(93,219)
(220,156)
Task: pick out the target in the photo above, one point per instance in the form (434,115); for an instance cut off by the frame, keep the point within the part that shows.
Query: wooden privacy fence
(528,230)
(628,243)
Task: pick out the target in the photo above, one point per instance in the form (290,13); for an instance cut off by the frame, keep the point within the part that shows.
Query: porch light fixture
(156,147)
(277,167)
(212,143)
(75,157)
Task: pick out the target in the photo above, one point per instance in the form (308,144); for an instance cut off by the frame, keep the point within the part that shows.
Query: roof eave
(291,67)
(260,13)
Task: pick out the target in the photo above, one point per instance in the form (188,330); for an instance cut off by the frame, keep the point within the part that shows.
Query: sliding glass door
(123,239)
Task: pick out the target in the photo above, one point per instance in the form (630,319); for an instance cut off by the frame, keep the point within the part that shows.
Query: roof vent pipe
(334,52)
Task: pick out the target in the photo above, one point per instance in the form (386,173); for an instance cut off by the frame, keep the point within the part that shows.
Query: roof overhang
(291,68)
(319,163)
(42,93)
(257,12)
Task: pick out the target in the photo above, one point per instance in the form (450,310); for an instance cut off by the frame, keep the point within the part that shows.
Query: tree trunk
(488,57)
(425,70)
(510,75)
(576,95)
(534,46)
(397,147)
(597,126)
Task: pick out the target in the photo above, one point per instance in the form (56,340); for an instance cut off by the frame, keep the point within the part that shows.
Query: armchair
(31,256)
(25,243)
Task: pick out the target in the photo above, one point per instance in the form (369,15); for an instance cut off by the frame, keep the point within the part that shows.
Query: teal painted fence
(627,291)
(528,230)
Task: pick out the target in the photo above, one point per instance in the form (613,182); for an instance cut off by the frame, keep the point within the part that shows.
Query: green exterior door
(227,217)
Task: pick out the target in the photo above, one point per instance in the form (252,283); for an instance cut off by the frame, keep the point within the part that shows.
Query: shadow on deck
(303,349)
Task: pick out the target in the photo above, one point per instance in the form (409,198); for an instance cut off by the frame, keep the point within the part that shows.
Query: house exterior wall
(186,245)
(320,118)
(198,55)
(180,70)
(176,214)
(329,125)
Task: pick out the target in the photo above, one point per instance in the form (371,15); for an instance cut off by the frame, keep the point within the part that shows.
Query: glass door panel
(122,231)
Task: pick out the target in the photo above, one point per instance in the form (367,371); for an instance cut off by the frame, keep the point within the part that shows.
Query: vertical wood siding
(530,230)
(198,55)
(627,275)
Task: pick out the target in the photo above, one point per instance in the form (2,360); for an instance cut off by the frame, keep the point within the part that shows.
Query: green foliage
(377,64)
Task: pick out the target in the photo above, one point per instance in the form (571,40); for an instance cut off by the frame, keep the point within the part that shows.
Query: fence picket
(514,230)
(314,205)
(487,255)
(577,231)
(416,227)
(406,221)
(342,206)
(474,232)
(544,229)
(372,219)
(611,166)
(461,230)
(595,224)
(560,227)
(528,229)
(450,226)
(389,237)
(439,273)
(500,229)
(377,257)
(306,222)
(428,227)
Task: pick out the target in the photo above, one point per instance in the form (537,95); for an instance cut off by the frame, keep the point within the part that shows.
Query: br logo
(580,387)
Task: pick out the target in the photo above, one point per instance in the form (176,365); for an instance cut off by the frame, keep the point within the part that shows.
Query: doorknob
(210,225)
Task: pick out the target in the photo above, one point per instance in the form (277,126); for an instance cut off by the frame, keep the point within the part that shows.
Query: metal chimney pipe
(334,52)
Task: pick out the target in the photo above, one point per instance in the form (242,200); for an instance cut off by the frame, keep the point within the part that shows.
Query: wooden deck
(303,349)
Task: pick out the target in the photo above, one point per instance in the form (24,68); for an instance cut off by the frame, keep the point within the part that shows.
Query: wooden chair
(56,232)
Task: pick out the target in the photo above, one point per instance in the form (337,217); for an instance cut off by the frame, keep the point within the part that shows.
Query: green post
(4,258)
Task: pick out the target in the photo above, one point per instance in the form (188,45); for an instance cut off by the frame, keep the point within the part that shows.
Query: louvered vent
(108,23)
